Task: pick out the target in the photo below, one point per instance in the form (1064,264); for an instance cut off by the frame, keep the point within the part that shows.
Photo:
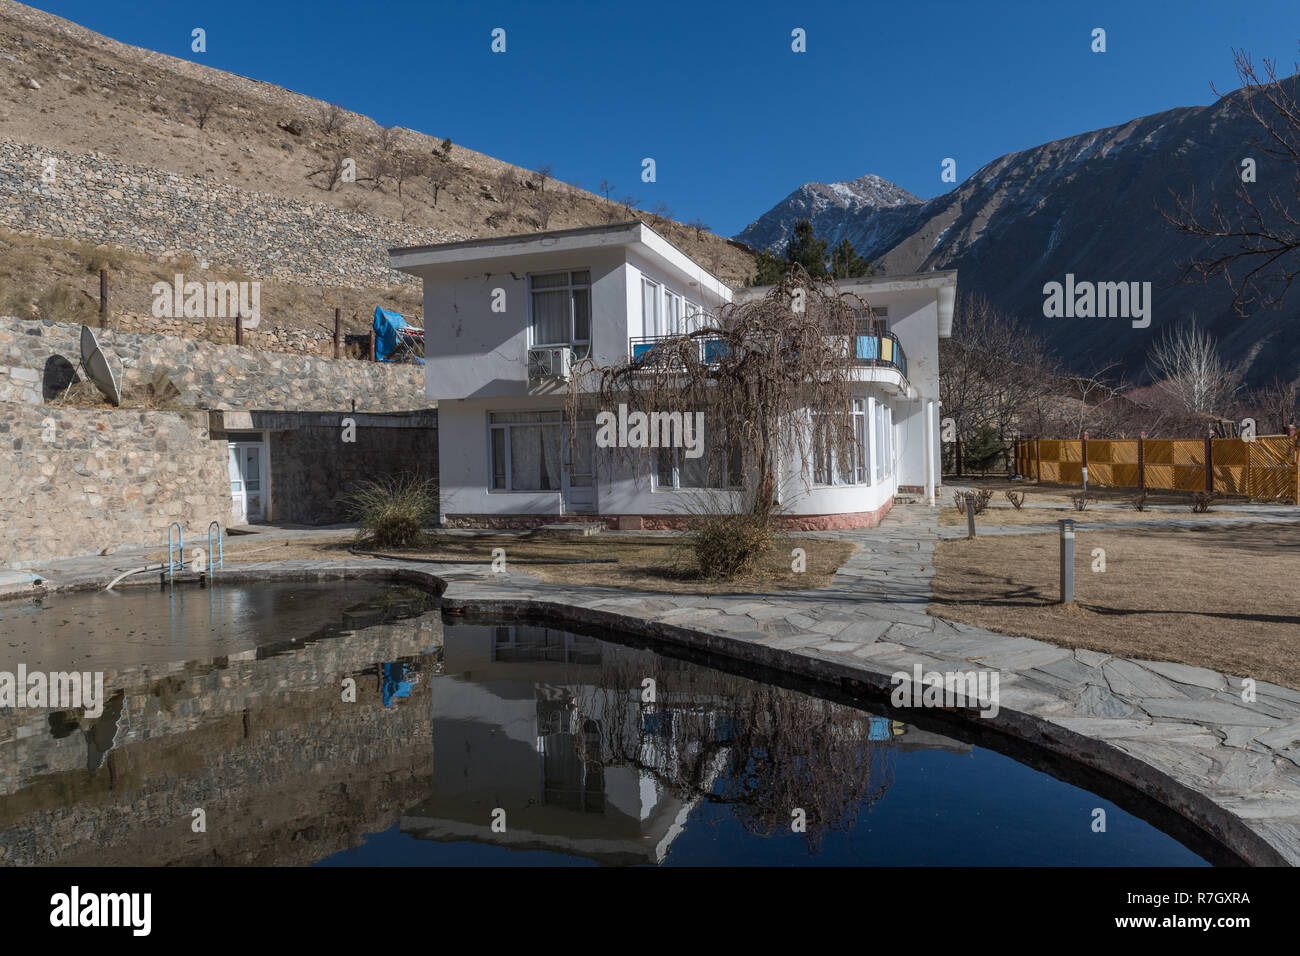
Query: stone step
(571,528)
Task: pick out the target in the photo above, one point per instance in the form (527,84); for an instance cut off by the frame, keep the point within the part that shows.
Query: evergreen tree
(984,449)
(769,269)
(847,264)
(807,250)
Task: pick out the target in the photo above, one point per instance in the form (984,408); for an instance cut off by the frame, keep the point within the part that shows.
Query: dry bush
(1017,499)
(1202,501)
(1082,499)
(1139,501)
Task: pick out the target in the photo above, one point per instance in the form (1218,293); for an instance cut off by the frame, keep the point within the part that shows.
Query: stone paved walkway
(1180,734)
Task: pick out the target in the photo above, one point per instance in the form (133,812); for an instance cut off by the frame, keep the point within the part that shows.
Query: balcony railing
(880,349)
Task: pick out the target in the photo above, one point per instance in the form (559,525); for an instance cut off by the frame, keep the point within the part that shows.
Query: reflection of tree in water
(761,751)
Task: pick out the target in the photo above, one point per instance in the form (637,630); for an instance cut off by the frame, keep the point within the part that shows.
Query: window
(674,470)
(561,309)
(525,450)
(672,313)
(884,457)
(649,307)
(827,471)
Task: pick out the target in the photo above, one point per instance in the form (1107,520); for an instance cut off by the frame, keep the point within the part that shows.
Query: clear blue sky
(712,91)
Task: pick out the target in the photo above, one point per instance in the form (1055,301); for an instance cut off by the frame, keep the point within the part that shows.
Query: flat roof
(942,281)
(635,231)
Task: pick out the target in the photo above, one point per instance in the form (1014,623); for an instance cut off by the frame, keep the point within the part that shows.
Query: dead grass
(643,563)
(1215,597)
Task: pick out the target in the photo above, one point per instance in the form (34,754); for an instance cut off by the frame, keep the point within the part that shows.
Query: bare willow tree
(1186,365)
(771,376)
(1254,241)
(760,751)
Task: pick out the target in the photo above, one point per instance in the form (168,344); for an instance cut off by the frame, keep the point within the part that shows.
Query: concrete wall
(80,480)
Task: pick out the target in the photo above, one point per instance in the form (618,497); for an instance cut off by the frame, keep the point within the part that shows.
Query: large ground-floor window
(525,450)
(850,468)
(719,466)
(884,458)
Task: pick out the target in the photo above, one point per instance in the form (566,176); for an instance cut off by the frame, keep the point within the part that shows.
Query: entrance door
(579,470)
(247,465)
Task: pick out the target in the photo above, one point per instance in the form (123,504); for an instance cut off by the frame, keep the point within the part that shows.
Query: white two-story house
(506,317)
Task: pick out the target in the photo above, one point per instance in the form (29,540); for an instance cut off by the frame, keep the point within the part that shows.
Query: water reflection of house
(532,723)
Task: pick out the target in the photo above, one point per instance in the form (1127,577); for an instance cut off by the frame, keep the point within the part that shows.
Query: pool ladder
(176,549)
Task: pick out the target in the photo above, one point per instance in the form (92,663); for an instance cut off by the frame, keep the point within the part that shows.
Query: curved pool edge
(857,678)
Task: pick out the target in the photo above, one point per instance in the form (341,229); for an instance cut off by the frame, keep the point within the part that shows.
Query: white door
(247,466)
(579,470)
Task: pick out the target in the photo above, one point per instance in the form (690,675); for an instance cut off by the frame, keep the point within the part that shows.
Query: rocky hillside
(171,161)
(1087,205)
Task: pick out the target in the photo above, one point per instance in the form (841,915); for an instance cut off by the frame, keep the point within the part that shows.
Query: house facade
(506,319)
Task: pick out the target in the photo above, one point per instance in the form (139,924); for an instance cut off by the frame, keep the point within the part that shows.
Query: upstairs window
(650,308)
(561,309)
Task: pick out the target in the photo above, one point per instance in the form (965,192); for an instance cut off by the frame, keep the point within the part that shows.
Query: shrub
(392,511)
(1202,501)
(1082,500)
(1139,501)
(1017,499)
(982,499)
(959,500)
(725,545)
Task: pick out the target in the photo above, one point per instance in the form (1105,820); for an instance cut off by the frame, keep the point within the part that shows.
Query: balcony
(875,349)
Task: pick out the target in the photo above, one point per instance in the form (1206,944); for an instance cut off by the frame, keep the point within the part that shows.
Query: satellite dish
(96,365)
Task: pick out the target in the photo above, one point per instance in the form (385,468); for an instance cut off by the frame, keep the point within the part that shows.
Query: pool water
(348,723)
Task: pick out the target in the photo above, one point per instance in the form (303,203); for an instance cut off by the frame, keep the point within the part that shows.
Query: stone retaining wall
(37,360)
(80,480)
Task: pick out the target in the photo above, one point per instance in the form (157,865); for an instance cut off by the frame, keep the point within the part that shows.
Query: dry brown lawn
(1218,597)
(635,563)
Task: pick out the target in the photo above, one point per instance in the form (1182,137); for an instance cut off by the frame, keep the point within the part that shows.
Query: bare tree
(331,118)
(439,179)
(1186,365)
(700,227)
(545,206)
(1274,406)
(202,104)
(606,187)
(543,174)
(332,170)
(756,370)
(507,190)
(1254,243)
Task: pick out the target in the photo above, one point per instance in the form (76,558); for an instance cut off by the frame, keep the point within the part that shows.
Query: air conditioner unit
(549,363)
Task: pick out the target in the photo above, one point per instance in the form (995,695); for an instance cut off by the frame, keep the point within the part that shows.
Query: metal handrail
(869,349)
(221,547)
(172,564)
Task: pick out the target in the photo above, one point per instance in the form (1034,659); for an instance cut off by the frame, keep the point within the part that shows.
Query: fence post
(338,329)
(1085,461)
(1209,461)
(372,346)
(959,456)
(103,298)
(1142,465)
(1038,462)
(1067,560)
(239,329)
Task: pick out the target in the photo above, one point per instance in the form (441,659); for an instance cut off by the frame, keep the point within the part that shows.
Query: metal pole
(1067,560)
(239,330)
(103,298)
(373,353)
(338,332)
(1085,462)
(970,515)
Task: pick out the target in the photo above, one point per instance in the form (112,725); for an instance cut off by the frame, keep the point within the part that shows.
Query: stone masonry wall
(79,480)
(97,199)
(37,360)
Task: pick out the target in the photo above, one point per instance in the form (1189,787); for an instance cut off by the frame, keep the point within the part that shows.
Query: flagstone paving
(1178,733)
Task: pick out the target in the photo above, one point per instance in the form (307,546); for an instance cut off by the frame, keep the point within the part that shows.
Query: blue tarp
(387,326)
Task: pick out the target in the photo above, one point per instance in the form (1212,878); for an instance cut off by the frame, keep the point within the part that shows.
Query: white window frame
(650,323)
(862,472)
(505,427)
(570,288)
